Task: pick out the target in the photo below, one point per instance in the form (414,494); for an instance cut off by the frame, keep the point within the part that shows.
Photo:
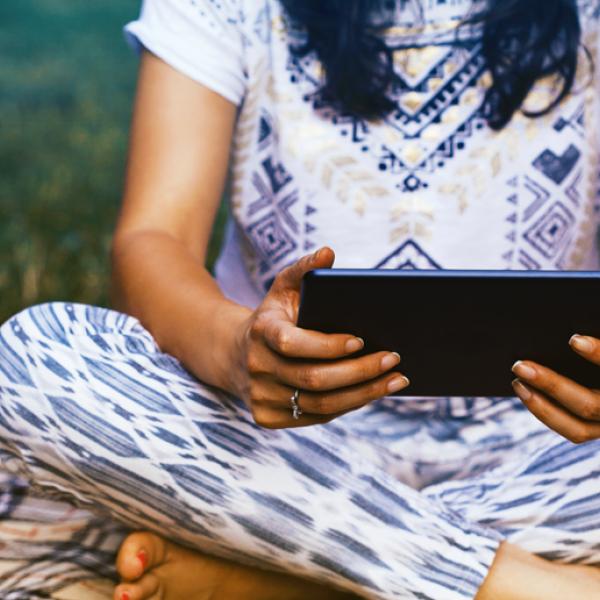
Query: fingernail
(316,254)
(397,383)
(124,596)
(354,345)
(521,390)
(389,361)
(523,370)
(582,343)
(142,556)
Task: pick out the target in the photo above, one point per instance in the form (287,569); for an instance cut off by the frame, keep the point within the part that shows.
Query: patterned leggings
(403,499)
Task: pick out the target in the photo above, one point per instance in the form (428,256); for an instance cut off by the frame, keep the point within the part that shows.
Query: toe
(146,588)
(141,551)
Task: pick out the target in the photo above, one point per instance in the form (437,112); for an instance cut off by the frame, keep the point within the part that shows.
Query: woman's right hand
(273,357)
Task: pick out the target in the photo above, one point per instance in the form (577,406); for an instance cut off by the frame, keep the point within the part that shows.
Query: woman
(404,135)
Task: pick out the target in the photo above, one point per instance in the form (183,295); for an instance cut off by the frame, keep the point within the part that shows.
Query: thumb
(291,277)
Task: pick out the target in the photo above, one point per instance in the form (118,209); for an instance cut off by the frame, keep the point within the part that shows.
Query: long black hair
(523,41)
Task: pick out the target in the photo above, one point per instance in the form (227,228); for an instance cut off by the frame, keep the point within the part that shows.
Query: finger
(272,409)
(579,400)
(325,376)
(278,418)
(291,277)
(554,416)
(586,346)
(275,395)
(288,340)
(352,397)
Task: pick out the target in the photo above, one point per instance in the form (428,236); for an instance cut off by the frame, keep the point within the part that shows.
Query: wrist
(228,343)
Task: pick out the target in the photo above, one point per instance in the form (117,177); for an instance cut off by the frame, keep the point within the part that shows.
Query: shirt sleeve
(200,38)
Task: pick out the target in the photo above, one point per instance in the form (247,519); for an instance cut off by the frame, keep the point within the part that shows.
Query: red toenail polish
(143,558)
(124,596)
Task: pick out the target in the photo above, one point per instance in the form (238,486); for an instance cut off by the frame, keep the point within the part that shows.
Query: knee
(55,321)
(22,334)
(43,321)
(66,325)
(45,337)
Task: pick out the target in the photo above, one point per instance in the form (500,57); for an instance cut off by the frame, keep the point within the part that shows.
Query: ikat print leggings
(403,499)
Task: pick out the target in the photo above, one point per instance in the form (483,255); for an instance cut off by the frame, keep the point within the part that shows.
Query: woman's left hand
(564,405)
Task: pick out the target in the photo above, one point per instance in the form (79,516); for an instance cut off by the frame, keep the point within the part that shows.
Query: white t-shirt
(429,187)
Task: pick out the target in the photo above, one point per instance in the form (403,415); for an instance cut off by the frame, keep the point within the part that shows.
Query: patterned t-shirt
(429,187)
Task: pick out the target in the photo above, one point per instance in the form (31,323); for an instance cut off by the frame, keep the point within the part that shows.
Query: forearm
(157,280)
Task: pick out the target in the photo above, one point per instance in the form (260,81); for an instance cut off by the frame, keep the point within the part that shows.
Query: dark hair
(523,41)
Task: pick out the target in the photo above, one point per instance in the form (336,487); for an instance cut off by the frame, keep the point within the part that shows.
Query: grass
(68,80)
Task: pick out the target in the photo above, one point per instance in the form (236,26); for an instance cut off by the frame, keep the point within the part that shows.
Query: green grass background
(67,81)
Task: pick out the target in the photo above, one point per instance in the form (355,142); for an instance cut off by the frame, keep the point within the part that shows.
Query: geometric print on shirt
(417,138)
(544,204)
(417,179)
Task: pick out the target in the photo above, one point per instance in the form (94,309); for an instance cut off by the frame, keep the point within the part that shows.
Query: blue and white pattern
(400,500)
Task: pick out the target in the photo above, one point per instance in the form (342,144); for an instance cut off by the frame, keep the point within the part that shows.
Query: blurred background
(67,80)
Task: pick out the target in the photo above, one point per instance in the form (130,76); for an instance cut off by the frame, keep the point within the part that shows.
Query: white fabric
(200,39)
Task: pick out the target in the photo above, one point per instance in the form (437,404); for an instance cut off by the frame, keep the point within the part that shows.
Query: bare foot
(519,575)
(155,569)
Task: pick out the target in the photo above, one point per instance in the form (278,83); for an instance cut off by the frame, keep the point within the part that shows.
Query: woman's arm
(177,168)
(180,144)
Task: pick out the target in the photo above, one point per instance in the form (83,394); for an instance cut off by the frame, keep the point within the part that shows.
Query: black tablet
(459,332)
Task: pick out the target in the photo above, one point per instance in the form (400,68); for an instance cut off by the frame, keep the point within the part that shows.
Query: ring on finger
(296,410)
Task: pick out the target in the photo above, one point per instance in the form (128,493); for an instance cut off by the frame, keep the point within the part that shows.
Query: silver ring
(296,410)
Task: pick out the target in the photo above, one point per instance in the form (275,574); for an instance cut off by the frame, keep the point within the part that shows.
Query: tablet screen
(460,332)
